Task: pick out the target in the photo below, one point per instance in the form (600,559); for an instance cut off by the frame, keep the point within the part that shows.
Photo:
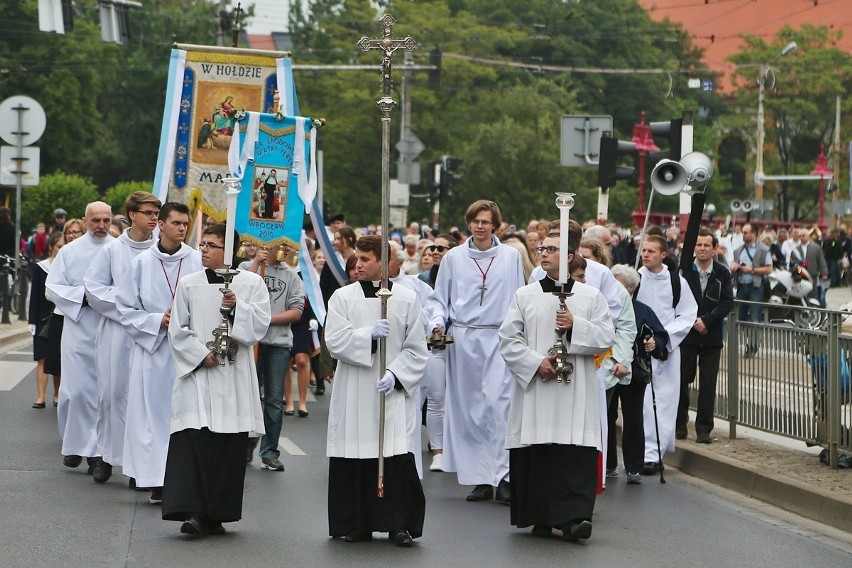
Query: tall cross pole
(388,45)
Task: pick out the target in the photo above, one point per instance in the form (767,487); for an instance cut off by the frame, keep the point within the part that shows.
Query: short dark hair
(708,233)
(54,237)
(170,206)
(373,244)
(219,230)
(575,233)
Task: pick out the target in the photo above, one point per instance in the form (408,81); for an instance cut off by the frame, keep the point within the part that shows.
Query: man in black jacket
(711,284)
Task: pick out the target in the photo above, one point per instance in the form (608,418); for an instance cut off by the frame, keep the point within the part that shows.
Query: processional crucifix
(388,45)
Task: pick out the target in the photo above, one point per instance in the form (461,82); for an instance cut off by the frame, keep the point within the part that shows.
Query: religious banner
(274,156)
(207,87)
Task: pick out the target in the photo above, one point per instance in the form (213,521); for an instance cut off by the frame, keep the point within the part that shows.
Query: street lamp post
(644,141)
(822,170)
(761,81)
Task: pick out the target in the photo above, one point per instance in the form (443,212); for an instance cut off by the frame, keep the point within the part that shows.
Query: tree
(56,191)
(801,90)
(118,194)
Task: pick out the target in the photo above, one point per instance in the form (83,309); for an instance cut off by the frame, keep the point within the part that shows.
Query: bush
(117,194)
(55,191)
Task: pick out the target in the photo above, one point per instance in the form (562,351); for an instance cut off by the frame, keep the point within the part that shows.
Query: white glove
(313,325)
(380,329)
(386,383)
(31,327)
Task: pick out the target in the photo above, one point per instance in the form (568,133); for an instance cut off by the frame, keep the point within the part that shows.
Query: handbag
(641,368)
(44,332)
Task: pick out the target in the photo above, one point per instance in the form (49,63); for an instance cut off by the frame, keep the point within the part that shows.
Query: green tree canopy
(56,191)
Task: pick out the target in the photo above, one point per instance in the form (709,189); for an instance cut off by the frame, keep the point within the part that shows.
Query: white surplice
(550,412)
(102,279)
(423,292)
(77,413)
(656,292)
(478,381)
(143,297)
(353,421)
(224,399)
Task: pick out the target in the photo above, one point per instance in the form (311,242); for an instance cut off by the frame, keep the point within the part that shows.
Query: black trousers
(704,360)
(632,398)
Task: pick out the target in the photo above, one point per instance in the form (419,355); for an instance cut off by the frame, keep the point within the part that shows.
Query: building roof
(717,25)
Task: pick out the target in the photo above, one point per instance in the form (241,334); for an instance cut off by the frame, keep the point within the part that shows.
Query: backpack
(675,280)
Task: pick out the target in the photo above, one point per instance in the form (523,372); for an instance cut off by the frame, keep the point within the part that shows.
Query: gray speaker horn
(736,205)
(669,177)
(699,169)
(748,206)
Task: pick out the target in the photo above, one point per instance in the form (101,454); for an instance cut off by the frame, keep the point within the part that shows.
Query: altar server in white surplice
(214,407)
(102,280)
(77,413)
(144,300)
(473,290)
(656,291)
(353,328)
(554,429)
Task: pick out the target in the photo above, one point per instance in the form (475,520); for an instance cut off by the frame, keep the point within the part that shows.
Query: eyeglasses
(150,214)
(439,248)
(73,233)
(208,245)
(550,250)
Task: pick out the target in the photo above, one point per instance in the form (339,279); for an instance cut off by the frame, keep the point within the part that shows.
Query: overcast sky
(269,16)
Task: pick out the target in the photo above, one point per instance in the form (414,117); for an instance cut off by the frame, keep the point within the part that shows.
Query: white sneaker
(437,463)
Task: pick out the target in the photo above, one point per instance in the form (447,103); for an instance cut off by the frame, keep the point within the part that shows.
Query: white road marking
(13,372)
(286,445)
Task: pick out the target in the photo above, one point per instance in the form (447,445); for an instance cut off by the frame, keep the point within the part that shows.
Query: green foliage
(56,191)
(118,194)
(801,91)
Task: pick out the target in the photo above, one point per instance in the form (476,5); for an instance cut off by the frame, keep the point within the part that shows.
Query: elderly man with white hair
(410,256)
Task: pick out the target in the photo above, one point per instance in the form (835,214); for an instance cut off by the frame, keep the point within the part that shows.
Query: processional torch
(564,367)
(388,45)
(223,346)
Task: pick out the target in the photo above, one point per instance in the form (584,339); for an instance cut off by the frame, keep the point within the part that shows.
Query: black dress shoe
(39,405)
(216,528)
(503,494)
(542,531)
(481,493)
(400,538)
(651,468)
(577,530)
(680,434)
(303,413)
(72,461)
(193,527)
(320,390)
(704,438)
(357,537)
(101,471)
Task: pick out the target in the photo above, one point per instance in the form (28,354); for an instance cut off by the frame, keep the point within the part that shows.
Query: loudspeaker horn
(669,177)
(748,206)
(699,169)
(736,205)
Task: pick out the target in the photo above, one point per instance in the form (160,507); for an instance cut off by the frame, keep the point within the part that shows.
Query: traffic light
(432,183)
(672,130)
(609,171)
(449,174)
(434,78)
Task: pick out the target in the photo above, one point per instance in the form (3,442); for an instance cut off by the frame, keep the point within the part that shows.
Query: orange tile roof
(726,20)
(262,41)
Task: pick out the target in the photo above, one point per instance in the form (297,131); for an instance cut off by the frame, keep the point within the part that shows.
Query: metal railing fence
(784,379)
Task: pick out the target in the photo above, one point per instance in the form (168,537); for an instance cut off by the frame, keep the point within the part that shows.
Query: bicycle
(9,276)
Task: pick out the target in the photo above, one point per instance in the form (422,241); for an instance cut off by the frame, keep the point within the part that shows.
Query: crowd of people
(520,386)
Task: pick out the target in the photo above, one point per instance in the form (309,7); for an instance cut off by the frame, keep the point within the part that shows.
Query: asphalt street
(53,516)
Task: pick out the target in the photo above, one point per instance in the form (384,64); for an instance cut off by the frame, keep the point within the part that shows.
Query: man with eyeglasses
(215,403)
(144,300)
(752,263)
(473,290)
(102,280)
(554,432)
(435,378)
(77,412)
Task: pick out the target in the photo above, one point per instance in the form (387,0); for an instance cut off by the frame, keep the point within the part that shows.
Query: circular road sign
(32,127)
